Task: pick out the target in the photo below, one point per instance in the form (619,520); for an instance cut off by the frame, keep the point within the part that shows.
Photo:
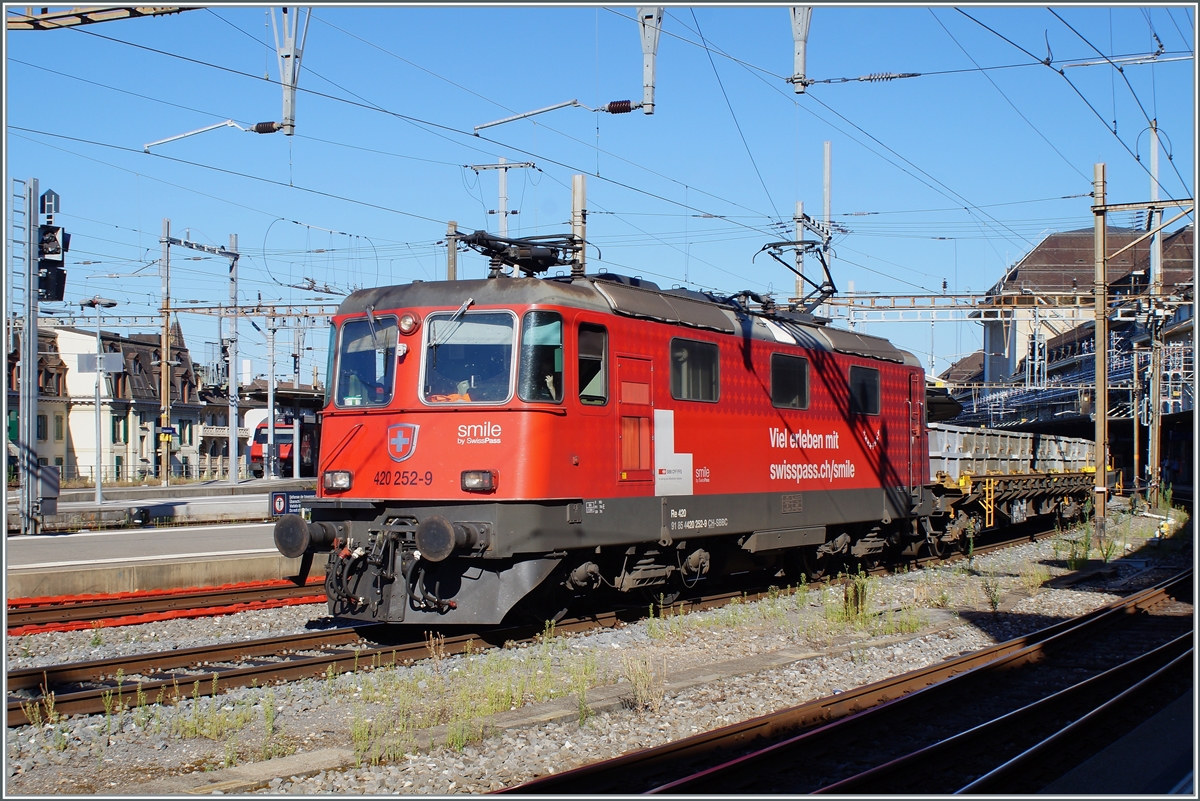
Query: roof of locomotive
(630,297)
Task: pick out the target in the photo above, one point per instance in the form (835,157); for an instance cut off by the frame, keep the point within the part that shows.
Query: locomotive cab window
(468,357)
(695,371)
(593,358)
(864,390)
(789,381)
(541,357)
(366,362)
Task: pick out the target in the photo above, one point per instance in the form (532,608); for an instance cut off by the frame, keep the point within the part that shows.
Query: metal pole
(452,251)
(27,408)
(801,18)
(798,219)
(1100,288)
(650,22)
(1154,456)
(164,366)
(233,353)
(828,183)
(271,460)
(298,343)
(1134,404)
(579,223)
(99,429)
(504,199)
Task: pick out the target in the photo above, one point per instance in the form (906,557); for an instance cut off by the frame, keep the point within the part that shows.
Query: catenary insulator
(266,127)
(619,107)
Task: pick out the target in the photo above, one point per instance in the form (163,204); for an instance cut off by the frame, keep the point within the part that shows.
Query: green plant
(60,739)
(436,644)
(1033,576)
(648,689)
(1078,557)
(107,698)
(33,713)
(231,755)
(1164,497)
(992,590)
(1109,547)
(97,639)
(330,675)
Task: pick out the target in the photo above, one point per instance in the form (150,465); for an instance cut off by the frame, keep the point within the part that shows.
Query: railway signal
(53,244)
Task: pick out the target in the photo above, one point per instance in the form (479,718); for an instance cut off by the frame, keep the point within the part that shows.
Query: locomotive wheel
(815,567)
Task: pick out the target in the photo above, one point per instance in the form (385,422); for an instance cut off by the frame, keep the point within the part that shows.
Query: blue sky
(949,176)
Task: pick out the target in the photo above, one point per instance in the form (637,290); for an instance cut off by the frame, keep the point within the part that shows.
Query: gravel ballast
(477,722)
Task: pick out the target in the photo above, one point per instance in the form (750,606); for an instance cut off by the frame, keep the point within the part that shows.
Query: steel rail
(1057,754)
(67,610)
(851,726)
(956,753)
(620,774)
(82,687)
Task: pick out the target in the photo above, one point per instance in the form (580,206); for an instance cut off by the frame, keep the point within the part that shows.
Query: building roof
(965,370)
(1065,262)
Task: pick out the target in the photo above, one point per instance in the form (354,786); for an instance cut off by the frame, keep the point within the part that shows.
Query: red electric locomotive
(507,442)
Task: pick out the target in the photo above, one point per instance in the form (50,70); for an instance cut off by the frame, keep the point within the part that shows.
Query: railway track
(86,687)
(34,615)
(996,720)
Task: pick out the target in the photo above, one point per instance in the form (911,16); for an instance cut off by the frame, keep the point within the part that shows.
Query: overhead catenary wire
(1077,92)
(419,122)
(684,203)
(733,114)
(944,190)
(1009,100)
(1132,92)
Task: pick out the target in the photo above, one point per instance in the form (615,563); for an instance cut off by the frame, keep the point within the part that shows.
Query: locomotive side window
(366,362)
(593,358)
(789,381)
(468,357)
(541,357)
(329,374)
(864,390)
(695,373)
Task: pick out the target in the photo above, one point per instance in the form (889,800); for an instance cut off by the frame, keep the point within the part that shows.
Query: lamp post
(98,303)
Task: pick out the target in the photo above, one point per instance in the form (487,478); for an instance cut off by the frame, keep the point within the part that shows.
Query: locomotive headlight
(479,480)
(337,480)
(408,323)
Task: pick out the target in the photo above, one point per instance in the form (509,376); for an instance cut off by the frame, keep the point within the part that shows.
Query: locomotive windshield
(366,362)
(468,357)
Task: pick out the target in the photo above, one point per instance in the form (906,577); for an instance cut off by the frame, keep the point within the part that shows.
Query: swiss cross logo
(402,441)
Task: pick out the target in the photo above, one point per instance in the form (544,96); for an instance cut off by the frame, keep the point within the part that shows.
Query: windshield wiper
(435,342)
(371,325)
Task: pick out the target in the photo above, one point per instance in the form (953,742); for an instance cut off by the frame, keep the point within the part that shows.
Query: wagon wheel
(661,597)
(935,547)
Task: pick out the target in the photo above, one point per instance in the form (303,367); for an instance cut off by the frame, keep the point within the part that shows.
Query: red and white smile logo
(402,441)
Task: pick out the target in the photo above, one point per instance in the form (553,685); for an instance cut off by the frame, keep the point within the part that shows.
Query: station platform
(132,559)
(199,502)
